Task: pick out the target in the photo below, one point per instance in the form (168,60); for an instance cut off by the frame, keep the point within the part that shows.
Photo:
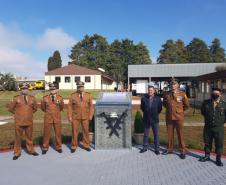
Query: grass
(193,135)
(6,96)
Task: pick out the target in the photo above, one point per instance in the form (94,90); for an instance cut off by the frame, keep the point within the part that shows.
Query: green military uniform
(214,115)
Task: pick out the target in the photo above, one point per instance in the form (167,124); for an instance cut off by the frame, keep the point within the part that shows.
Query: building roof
(107,78)
(169,70)
(213,76)
(73,69)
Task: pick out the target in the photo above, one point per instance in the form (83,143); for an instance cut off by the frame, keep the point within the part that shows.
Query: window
(77,78)
(67,79)
(57,79)
(87,79)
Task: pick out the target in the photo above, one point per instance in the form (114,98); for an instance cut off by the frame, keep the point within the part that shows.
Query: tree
(198,51)
(54,61)
(217,52)
(181,52)
(8,82)
(173,52)
(92,52)
(167,54)
(114,66)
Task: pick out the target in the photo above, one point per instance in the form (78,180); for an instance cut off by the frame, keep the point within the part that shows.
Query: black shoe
(143,150)
(60,151)
(44,152)
(87,149)
(73,150)
(34,154)
(157,152)
(166,152)
(218,161)
(204,159)
(182,156)
(15,157)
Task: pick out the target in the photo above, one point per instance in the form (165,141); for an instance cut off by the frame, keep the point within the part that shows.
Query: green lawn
(193,135)
(6,96)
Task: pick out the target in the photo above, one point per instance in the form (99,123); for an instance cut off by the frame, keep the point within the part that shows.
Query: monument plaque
(113,121)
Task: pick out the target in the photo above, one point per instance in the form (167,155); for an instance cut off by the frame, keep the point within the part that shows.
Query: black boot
(218,161)
(143,150)
(182,156)
(205,158)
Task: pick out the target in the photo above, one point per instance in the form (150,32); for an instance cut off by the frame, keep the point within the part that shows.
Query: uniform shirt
(175,104)
(52,105)
(23,109)
(214,112)
(80,108)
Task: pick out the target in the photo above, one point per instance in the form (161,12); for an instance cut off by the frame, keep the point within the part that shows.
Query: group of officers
(176,104)
(80,112)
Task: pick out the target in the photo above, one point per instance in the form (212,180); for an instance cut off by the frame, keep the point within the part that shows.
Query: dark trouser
(213,133)
(155,130)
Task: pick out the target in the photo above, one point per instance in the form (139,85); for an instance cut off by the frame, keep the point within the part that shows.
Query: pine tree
(198,51)
(217,52)
(54,61)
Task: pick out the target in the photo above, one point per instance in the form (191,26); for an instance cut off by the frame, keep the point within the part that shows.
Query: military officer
(23,107)
(214,113)
(52,105)
(80,111)
(175,102)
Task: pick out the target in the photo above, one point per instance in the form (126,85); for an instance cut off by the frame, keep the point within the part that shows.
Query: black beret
(216,89)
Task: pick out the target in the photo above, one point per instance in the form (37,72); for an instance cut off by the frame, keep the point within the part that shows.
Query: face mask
(24,91)
(215,96)
(80,90)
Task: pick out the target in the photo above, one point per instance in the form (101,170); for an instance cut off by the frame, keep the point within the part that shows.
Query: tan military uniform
(52,118)
(80,111)
(176,104)
(23,108)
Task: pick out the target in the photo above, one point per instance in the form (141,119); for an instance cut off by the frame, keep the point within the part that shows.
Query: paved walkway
(108,167)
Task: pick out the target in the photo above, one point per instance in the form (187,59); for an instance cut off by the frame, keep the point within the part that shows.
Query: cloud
(55,39)
(26,55)
(12,37)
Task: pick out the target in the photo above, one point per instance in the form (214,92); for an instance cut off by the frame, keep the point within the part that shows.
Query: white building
(67,77)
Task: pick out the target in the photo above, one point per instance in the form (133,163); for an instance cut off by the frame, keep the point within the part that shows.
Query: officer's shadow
(198,156)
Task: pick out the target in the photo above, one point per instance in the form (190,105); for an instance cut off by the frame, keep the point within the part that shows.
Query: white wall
(95,82)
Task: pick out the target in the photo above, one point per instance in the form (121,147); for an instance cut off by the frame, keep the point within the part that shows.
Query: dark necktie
(25,99)
(52,99)
(80,97)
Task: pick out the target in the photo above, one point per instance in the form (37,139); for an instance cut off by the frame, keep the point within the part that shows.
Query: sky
(31,30)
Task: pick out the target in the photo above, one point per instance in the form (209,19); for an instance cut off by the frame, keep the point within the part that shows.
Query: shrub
(138,123)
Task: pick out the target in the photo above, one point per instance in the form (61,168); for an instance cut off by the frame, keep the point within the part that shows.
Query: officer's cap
(80,84)
(24,86)
(174,81)
(52,86)
(216,89)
